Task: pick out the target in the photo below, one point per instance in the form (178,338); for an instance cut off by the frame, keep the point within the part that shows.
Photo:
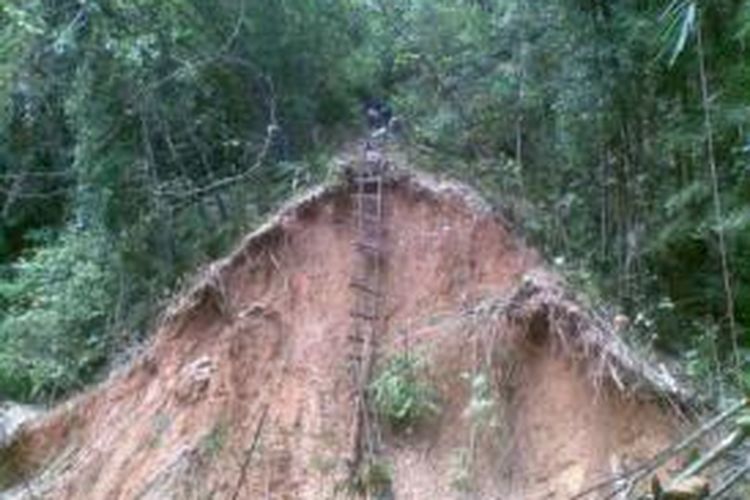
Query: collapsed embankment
(245,391)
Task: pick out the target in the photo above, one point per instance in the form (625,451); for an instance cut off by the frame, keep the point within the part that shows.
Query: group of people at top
(378,114)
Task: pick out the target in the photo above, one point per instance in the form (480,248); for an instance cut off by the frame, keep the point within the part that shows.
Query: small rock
(12,417)
(195,379)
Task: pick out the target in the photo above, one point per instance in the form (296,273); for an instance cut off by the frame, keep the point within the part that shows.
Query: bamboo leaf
(684,16)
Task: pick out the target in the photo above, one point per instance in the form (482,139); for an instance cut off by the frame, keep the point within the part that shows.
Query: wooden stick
(249,453)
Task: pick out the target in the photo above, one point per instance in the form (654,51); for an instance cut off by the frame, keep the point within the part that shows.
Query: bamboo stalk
(731,441)
(730,482)
(641,472)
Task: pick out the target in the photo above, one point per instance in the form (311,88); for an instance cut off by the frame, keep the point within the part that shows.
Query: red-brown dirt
(268,343)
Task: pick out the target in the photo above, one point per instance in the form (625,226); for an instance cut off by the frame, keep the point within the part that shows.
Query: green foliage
(482,407)
(373,479)
(150,121)
(214,442)
(460,471)
(586,121)
(401,393)
(53,333)
(160,424)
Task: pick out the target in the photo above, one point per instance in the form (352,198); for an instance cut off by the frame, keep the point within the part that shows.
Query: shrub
(373,479)
(401,394)
(56,305)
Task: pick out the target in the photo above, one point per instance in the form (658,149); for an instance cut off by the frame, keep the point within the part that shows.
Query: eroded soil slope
(245,391)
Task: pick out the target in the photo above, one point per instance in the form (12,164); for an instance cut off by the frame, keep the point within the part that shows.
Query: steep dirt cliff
(245,391)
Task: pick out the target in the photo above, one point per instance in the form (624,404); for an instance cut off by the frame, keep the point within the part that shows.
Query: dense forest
(140,138)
